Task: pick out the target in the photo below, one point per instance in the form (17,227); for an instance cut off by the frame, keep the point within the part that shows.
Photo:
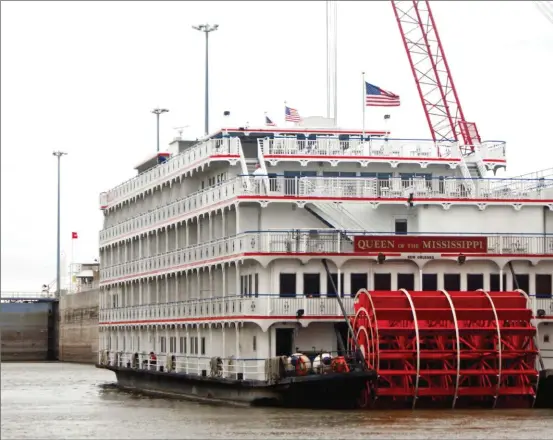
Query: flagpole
(71,266)
(364,105)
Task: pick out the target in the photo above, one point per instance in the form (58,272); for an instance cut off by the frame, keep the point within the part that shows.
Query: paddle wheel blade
(447,349)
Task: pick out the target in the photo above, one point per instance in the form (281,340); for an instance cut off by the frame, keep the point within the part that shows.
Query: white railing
(329,187)
(322,241)
(230,306)
(183,208)
(26,295)
(174,166)
(375,147)
(420,187)
(542,303)
(491,150)
(230,368)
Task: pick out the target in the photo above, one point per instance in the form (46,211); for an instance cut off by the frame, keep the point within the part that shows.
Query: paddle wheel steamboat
(318,266)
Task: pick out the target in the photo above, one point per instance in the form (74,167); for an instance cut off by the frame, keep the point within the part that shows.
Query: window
(287,284)
(162,344)
(203,346)
(334,278)
(401,226)
(182,345)
(250,285)
(406,281)
(494,283)
(312,284)
(256,284)
(382,281)
(523,282)
(429,282)
(254,343)
(452,281)
(475,281)
(358,281)
(173,344)
(138,343)
(543,285)
(124,343)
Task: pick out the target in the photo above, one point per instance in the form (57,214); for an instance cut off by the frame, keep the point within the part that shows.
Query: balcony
(373,150)
(250,308)
(378,149)
(177,165)
(368,188)
(230,306)
(391,190)
(295,242)
(176,211)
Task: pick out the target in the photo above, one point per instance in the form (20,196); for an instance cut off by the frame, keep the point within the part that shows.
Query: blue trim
(493,179)
(354,232)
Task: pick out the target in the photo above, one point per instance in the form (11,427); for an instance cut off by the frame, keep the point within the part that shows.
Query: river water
(72,401)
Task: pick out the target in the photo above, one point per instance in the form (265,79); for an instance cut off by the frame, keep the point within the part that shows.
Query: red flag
(74,235)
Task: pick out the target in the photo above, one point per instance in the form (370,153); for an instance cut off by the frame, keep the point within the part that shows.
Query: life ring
(339,365)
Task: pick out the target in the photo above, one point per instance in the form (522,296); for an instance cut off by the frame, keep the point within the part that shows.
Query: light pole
(206,28)
(58,154)
(158,111)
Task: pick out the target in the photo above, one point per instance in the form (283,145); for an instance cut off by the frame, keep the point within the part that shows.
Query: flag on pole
(268,122)
(74,235)
(291,114)
(376,97)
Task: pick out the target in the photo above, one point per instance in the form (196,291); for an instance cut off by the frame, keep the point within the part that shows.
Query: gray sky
(83,76)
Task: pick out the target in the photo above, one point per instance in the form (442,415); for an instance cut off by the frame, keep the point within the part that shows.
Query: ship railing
(491,150)
(422,187)
(320,304)
(219,367)
(374,147)
(300,241)
(541,302)
(172,167)
(180,208)
(266,305)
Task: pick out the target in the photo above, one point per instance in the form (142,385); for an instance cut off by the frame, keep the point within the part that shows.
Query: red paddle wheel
(447,349)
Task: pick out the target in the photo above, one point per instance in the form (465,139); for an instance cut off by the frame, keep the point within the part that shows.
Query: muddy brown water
(73,401)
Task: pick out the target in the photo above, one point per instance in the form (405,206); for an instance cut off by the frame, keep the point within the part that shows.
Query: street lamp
(157,112)
(206,28)
(58,154)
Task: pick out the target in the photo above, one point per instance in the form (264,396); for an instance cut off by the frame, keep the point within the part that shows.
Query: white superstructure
(200,257)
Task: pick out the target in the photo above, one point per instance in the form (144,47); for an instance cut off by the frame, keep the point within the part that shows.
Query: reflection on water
(69,401)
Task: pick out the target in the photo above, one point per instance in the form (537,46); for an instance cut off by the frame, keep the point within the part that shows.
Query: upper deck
(271,146)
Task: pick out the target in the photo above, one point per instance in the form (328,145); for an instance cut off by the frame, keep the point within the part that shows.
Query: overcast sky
(83,76)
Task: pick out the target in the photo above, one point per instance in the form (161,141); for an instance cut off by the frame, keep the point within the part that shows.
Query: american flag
(291,115)
(376,97)
(268,122)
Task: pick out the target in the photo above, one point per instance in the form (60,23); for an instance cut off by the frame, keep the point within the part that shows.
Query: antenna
(180,130)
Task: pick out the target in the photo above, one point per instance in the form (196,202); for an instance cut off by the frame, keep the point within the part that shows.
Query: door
(284,341)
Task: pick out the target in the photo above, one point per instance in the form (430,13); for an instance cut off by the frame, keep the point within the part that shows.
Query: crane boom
(546,8)
(430,69)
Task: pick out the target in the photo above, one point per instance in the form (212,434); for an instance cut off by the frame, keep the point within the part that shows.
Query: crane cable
(546,8)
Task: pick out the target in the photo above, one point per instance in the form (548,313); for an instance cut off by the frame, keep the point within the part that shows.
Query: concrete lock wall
(26,331)
(78,329)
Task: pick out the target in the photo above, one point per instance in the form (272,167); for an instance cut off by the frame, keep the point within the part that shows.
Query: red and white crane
(435,85)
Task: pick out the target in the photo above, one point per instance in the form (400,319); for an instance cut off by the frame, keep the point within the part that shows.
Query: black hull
(329,391)
(545,390)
